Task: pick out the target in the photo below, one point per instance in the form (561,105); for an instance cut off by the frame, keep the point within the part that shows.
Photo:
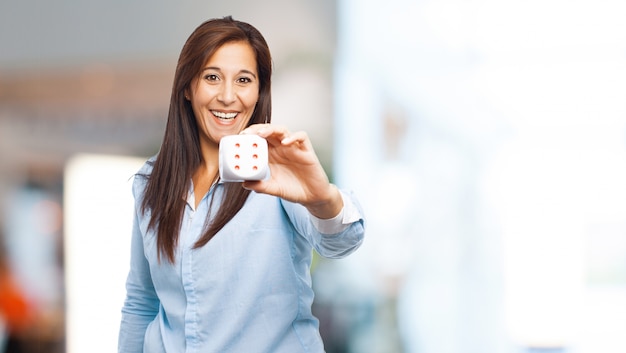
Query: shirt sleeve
(141,304)
(348,214)
(334,238)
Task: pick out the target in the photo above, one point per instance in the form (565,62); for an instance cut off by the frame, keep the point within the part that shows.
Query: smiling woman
(223,99)
(216,267)
(225,95)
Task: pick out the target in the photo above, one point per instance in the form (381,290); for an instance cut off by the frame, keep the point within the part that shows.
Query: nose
(227,94)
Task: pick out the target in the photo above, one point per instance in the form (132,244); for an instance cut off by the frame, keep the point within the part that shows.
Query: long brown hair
(180,155)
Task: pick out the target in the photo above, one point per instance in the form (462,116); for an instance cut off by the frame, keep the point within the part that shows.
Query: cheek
(251,97)
(251,100)
(245,123)
(196,112)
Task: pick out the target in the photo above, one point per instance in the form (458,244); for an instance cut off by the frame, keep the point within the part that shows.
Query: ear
(187,94)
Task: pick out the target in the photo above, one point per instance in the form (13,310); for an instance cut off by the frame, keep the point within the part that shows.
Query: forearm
(331,237)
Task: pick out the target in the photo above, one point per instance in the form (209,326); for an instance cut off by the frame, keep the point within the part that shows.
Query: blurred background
(485,139)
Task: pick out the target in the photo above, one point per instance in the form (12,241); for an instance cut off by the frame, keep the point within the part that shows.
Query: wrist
(329,207)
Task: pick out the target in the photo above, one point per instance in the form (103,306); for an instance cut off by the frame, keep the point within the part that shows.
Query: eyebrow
(218,69)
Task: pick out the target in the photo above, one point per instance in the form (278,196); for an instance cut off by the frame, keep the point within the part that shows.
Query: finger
(274,134)
(275,131)
(251,185)
(254,129)
(296,137)
(259,186)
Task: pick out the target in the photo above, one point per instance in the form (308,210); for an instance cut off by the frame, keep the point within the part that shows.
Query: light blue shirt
(248,290)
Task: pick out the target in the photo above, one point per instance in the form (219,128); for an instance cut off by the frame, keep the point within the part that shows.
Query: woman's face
(224,95)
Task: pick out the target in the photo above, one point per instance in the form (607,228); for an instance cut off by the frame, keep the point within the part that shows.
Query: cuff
(348,215)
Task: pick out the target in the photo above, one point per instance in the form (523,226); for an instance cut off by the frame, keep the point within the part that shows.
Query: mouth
(224,116)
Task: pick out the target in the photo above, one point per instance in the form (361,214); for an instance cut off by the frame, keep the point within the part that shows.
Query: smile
(226,116)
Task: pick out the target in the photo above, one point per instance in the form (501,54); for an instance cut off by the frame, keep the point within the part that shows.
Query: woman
(224,267)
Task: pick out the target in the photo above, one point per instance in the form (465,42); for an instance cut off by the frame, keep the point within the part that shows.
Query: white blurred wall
(487,140)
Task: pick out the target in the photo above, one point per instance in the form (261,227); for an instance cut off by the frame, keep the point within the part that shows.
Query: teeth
(224,115)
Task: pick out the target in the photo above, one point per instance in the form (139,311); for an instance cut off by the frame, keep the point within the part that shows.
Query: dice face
(243,157)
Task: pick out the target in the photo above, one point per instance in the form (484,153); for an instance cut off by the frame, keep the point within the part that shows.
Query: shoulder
(146,168)
(142,175)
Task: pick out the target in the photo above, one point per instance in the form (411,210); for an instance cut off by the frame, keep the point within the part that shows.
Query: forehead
(233,56)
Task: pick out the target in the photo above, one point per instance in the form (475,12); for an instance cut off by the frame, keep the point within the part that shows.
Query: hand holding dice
(293,171)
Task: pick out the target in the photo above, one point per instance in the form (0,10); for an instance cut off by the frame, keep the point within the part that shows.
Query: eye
(211,77)
(244,80)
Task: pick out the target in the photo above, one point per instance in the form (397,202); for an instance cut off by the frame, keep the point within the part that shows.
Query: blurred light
(98,225)
(530,96)
(33,222)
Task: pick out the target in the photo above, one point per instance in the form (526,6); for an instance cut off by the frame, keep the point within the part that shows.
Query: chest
(259,242)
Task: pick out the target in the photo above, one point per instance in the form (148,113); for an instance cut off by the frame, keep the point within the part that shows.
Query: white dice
(243,157)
